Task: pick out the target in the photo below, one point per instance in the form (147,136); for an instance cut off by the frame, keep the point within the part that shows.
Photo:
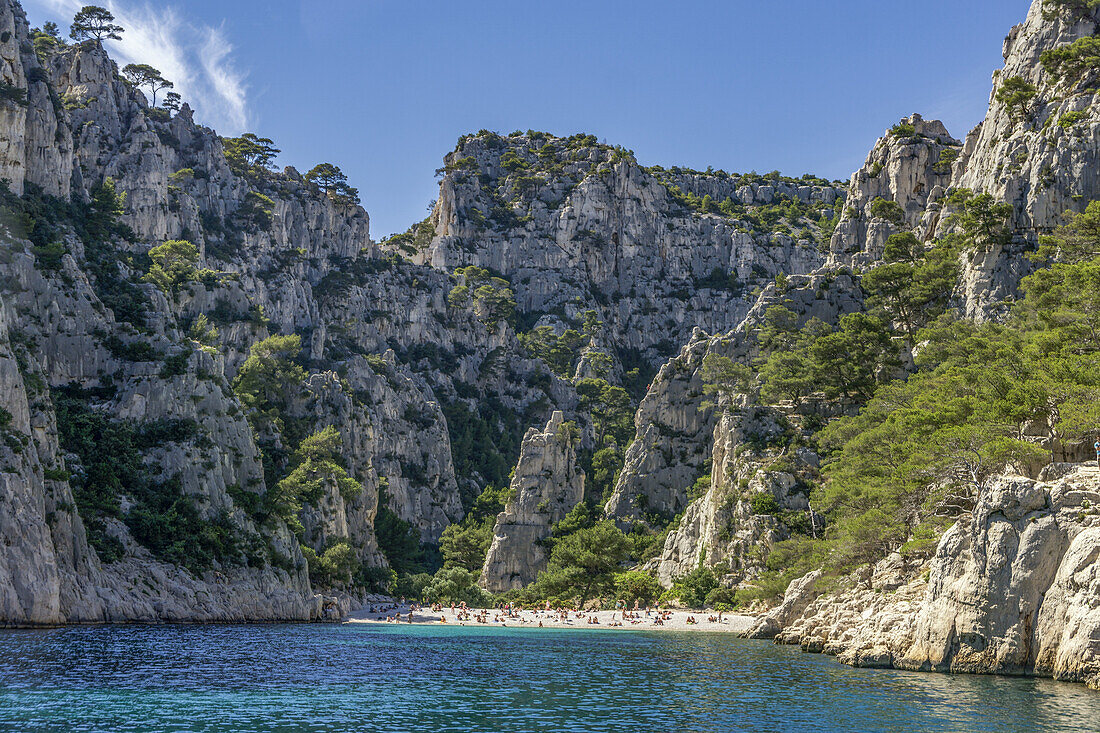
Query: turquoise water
(387,678)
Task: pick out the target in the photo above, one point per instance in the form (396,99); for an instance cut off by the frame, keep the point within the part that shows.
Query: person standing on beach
(1096,446)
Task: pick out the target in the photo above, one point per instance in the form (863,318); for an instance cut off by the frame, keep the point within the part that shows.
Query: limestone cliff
(754,496)
(1041,155)
(576,225)
(1010,590)
(911,166)
(96,354)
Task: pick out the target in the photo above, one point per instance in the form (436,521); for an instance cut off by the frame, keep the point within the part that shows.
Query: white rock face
(799,594)
(1032,162)
(1011,590)
(395,366)
(547,485)
(178,184)
(36,147)
(721,529)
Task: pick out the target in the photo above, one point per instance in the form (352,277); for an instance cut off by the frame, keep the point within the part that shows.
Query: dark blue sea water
(386,678)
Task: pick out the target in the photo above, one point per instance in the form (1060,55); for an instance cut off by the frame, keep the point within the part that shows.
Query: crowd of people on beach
(541,615)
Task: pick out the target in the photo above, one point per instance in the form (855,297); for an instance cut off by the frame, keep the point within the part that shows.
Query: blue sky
(383,88)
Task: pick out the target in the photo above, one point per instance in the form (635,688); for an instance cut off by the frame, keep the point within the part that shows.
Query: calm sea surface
(385,678)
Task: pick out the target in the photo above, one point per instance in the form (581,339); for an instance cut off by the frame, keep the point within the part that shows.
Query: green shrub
(315,468)
(1016,94)
(903,129)
(336,566)
(13,94)
(947,159)
(692,589)
(764,503)
(456,585)
(175,365)
(411,586)
(492,297)
(173,264)
(1069,119)
(1079,7)
(131,350)
(891,211)
(635,585)
(560,353)
(466,544)
(49,256)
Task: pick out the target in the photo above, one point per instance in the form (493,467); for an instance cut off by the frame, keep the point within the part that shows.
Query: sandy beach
(676,620)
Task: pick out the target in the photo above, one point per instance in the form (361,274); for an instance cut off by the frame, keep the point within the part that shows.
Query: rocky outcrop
(1036,157)
(36,147)
(734,524)
(799,594)
(911,166)
(670,449)
(89,334)
(424,379)
(546,486)
(1010,590)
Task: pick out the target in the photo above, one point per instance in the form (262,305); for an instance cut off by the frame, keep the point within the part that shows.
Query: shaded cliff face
(122,418)
(36,147)
(752,498)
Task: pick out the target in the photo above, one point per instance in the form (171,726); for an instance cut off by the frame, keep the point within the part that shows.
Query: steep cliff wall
(676,421)
(576,226)
(911,166)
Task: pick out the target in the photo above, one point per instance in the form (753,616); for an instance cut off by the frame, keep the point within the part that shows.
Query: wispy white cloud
(228,83)
(197,58)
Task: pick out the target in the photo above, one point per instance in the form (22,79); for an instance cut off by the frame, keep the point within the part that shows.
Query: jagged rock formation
(90,338)
(36,147)
(1041,159)
(546,486)
(799,594)
(430,388)
(671,448)
(1011,590)
(914,166)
